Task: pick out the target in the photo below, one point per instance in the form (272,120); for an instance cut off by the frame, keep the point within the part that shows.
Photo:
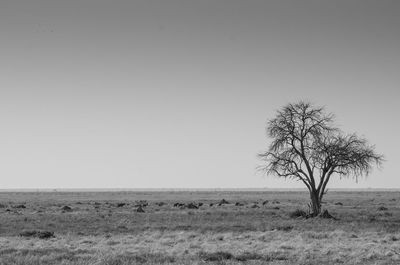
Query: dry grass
(102,230)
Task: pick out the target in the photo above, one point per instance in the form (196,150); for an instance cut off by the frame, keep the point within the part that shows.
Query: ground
(104,228)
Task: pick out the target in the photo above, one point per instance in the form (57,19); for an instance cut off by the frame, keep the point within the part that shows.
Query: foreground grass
(97,232)
(185,247)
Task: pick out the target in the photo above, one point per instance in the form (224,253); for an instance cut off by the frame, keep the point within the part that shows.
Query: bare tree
(306,146)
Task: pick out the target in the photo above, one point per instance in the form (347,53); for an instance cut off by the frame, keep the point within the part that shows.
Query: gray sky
(176,94)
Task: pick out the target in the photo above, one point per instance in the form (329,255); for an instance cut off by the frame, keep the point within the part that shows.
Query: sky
(177,93)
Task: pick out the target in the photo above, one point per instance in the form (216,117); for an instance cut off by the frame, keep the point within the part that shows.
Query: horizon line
(180,189)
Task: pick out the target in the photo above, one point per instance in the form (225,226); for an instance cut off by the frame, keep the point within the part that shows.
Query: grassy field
(106,228)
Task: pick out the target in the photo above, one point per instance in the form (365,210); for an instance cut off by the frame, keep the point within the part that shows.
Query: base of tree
(326,215)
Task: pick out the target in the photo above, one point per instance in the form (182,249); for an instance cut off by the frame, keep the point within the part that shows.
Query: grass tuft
(37,234)
(215,256)
(249,256)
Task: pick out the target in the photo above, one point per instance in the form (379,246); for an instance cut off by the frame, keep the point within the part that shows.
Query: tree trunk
(315,203)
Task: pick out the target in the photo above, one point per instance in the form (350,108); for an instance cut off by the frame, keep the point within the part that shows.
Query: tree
(306,146)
